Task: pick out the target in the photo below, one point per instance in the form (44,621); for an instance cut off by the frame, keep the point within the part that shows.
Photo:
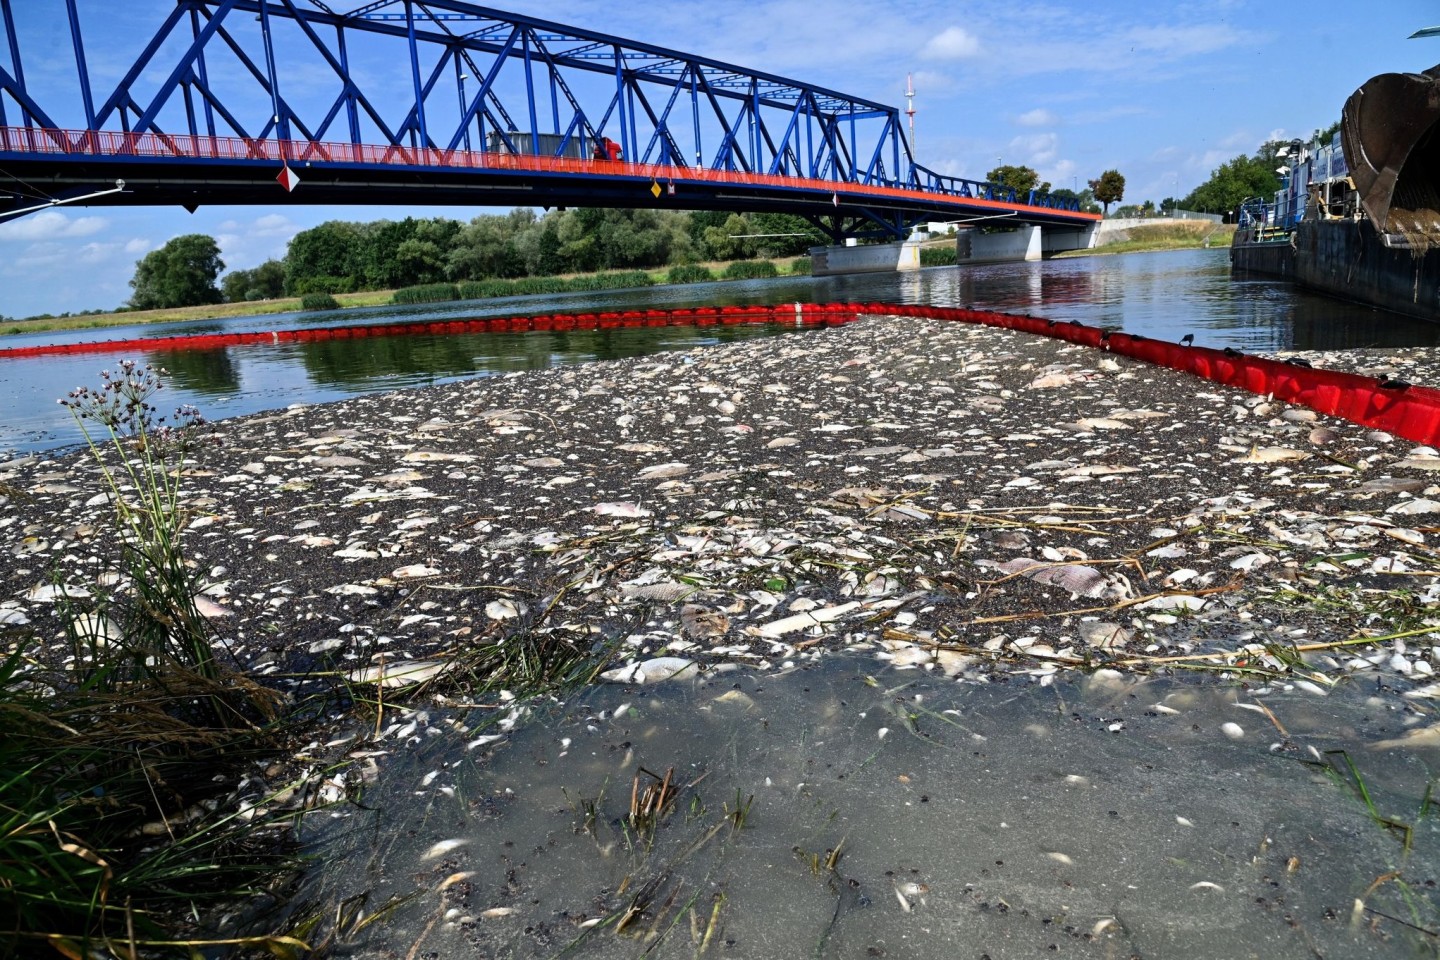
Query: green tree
(488,246)
(1021,179)
(1109,188)
(785,234)
(1237,180)
(1085,198)
(729,242)
(323,251)
(180,274)
(235,285)
(264,282)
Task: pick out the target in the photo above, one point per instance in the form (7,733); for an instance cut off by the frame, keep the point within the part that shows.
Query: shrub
(426,293)
(938,256)
(751,270)
(689,273)
(319,301)
(485,289)
(324,285)
(620,280)
(529,286)
(801,267)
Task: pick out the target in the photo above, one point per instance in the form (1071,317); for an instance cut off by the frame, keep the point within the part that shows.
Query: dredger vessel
(1358,216)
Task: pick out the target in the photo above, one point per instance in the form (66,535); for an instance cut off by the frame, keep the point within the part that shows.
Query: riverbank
(1179,235)
(983,505)
(250,308)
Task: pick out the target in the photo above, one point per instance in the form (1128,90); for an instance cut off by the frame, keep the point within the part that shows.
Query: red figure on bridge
(607,149)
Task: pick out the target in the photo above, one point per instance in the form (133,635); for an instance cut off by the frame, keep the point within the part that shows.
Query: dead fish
(432,456)
(652,671)
(700,623)
(621,510)
(1272,455)
(1079,579)
(444,847)
(401,674)
(663,470)
(809,618)
(414,570)
(211,610)
(503,609)
(1419,737)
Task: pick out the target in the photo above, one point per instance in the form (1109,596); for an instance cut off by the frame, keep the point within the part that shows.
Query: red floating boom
(1412,412)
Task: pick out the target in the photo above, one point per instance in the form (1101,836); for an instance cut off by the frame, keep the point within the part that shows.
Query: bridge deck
(163,168)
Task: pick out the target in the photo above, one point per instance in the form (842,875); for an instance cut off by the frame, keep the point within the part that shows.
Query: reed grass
(116,828)
(689,273)
(939,255)
(426,293)
(319,301)
(751,270)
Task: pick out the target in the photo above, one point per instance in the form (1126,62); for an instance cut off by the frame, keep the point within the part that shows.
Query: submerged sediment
(959,498)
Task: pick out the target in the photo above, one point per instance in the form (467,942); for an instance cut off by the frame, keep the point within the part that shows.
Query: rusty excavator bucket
(1390,132)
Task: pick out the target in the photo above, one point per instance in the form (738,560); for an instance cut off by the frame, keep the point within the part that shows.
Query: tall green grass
(751,270)
(940,255)
(110,829)
(532,286)
(689,273)
(319,301)
(426,293)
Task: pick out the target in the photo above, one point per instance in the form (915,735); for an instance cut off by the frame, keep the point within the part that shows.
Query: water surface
(1095,817)
(1163,295)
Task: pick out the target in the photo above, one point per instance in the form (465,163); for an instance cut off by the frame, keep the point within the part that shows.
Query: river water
(839,806)
(1162,295)
(890,813)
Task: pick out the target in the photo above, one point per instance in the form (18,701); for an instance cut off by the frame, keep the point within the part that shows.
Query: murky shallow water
(1002,820)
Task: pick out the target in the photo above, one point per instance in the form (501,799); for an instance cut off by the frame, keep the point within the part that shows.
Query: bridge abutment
(870,258)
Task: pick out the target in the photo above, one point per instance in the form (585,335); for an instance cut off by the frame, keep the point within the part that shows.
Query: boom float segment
(1412,412)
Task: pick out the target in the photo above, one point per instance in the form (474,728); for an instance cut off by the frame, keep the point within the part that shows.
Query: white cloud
(97,253)
(1039,117)
(929,83)
(1062,174)
(50,225)
(137,245)
(1037,149)
(952,43)
(274,225)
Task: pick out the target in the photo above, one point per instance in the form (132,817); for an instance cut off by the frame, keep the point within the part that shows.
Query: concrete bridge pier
(972,246)
(1013,245)
(870,258)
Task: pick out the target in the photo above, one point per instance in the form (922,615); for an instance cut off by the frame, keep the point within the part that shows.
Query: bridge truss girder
(475,75)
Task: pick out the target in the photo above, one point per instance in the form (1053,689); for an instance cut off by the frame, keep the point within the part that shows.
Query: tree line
(343,257)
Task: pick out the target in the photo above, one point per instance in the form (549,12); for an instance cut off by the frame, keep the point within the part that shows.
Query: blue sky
(1163,92)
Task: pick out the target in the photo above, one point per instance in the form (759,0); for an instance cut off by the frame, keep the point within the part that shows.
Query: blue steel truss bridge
(281,102)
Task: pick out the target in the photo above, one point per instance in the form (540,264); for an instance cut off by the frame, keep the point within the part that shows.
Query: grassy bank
(1180,235)
(368,298)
